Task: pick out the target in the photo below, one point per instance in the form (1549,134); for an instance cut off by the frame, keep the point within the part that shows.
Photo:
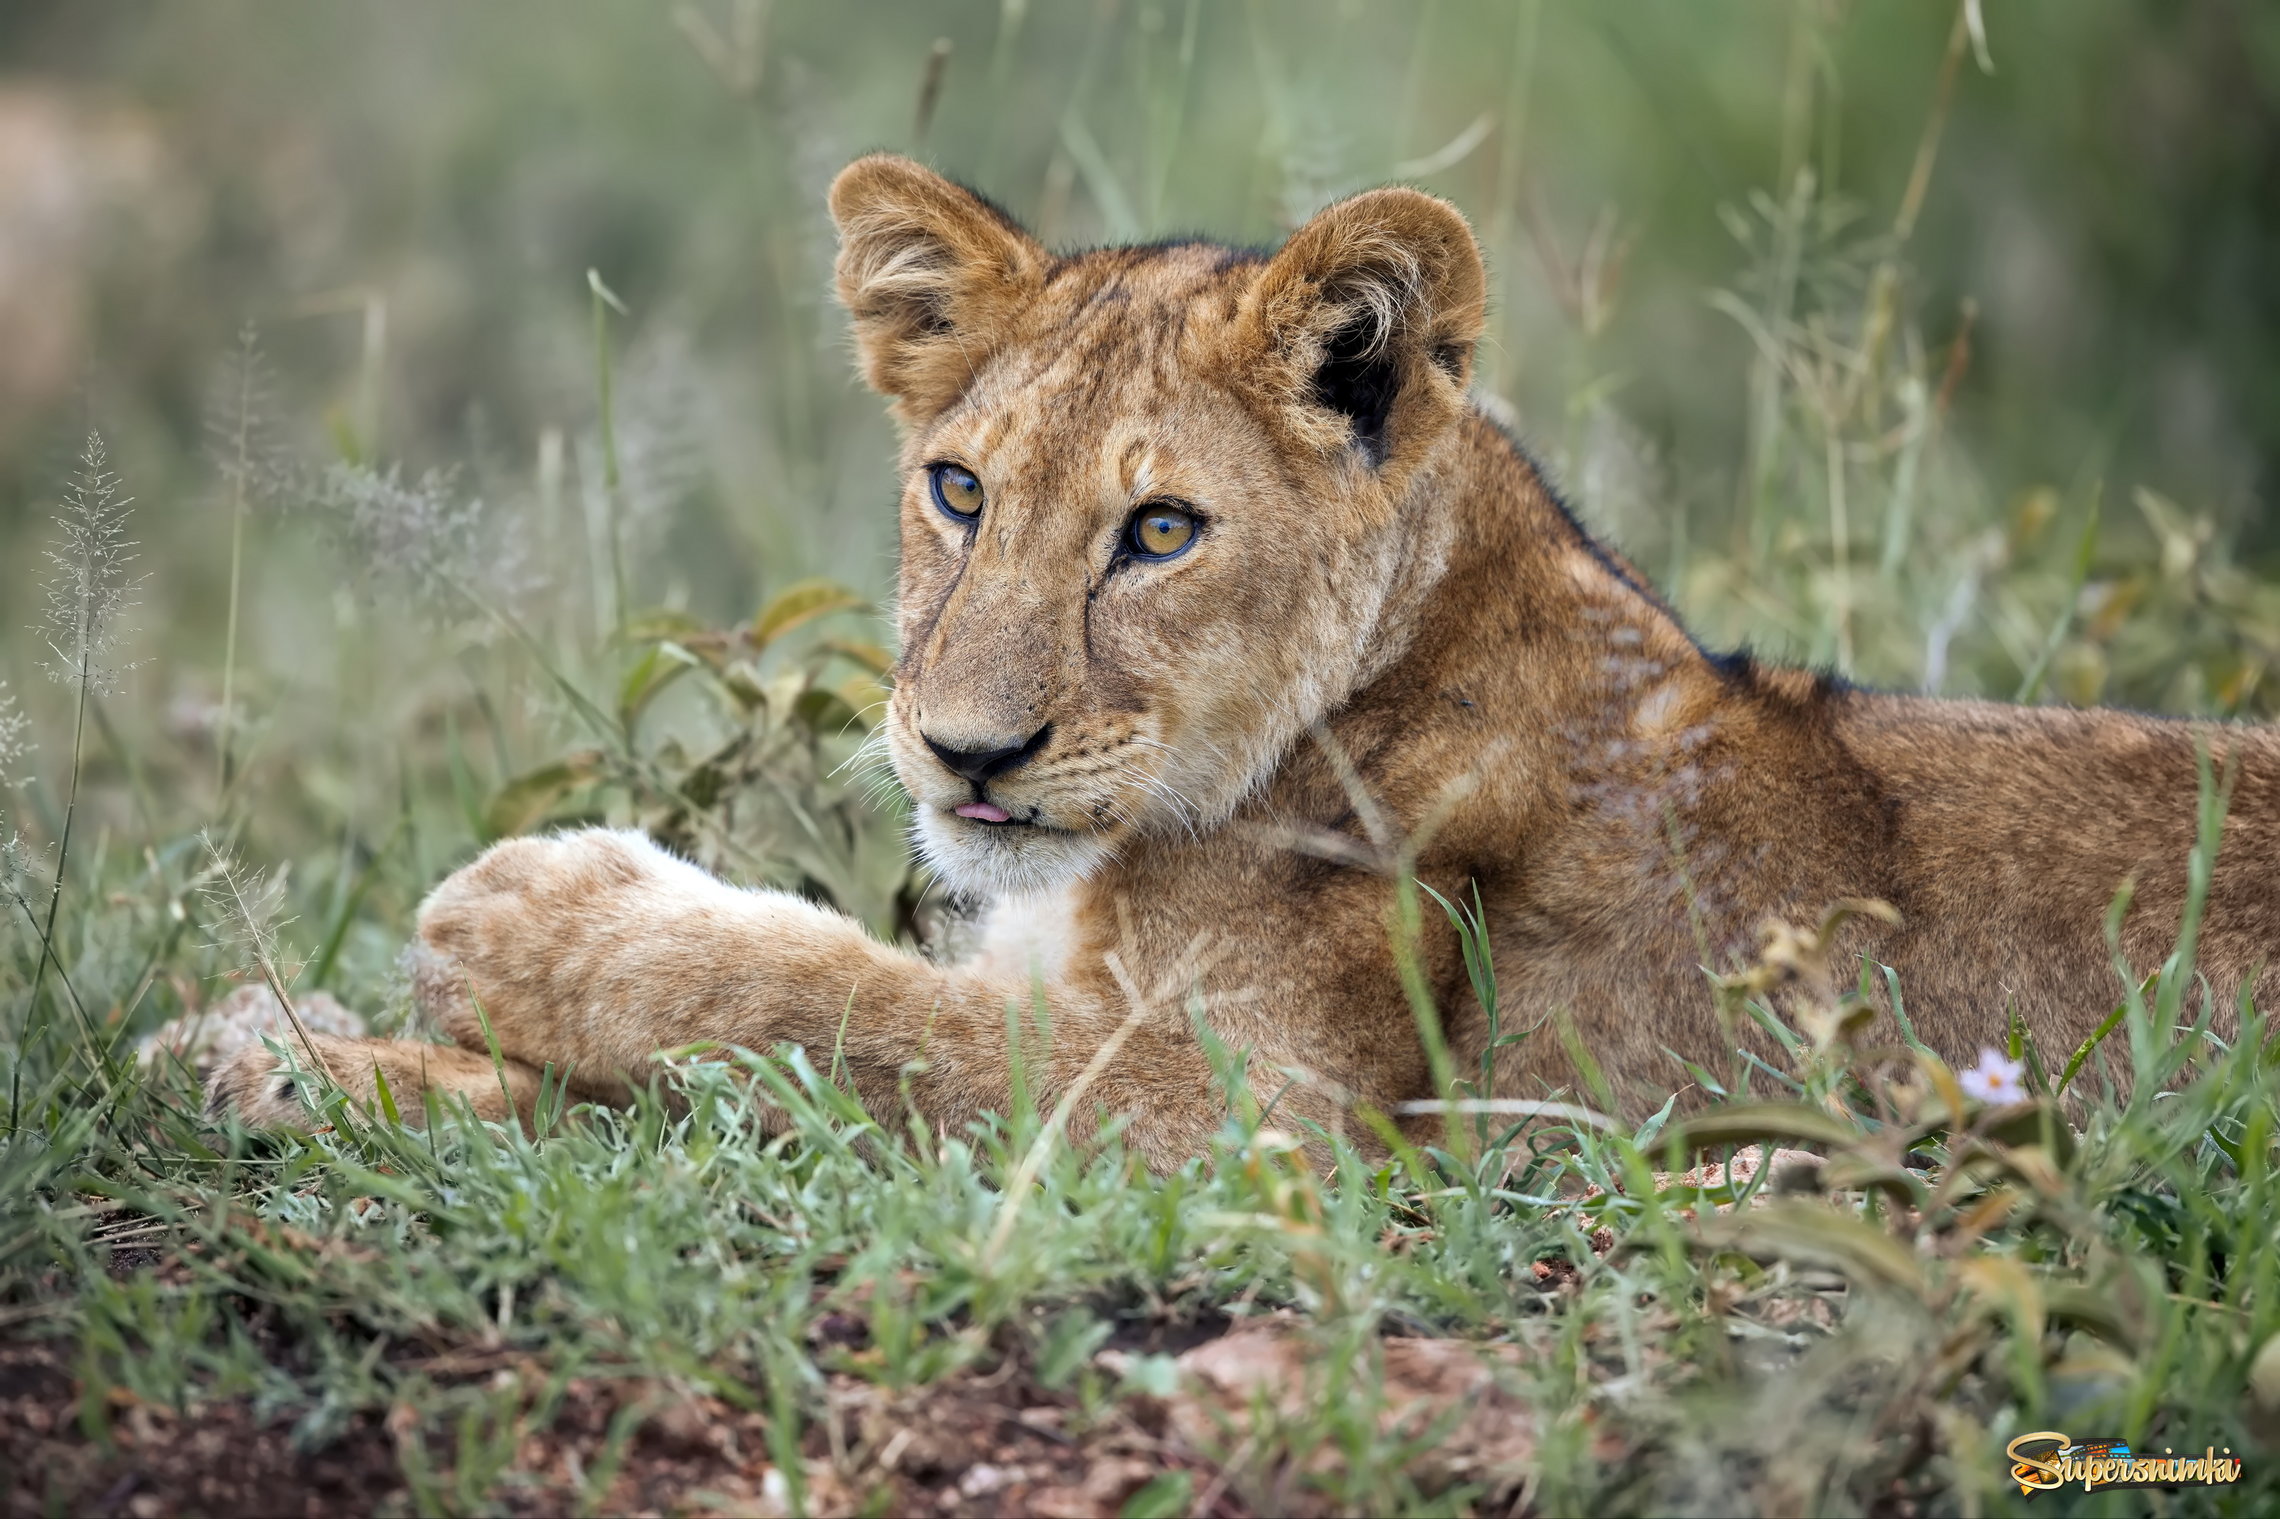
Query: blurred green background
(1940,346)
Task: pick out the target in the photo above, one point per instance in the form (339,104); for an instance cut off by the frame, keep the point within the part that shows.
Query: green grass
(1776,417)
(1879,1343)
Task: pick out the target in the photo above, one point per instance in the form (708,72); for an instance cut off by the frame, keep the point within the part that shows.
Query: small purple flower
(1995,1080)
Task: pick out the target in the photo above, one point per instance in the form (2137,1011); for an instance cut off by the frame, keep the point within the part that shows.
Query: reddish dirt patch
(219,1460)
(975,1443)
(968,1446)
(971,1445)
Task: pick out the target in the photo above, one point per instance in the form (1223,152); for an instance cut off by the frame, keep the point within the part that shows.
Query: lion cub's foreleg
(593,951)
(263,1091)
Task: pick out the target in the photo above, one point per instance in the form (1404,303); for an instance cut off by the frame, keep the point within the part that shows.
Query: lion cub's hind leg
(259,1088)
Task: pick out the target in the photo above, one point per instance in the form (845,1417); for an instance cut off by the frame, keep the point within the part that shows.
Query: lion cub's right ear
(933,275)
(1359,332)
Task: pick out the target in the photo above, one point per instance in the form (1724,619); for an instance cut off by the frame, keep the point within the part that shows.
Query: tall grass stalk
(88,590)
(1501,361)
(1167,114)
(242,381)
(1011,15)
(606,301)
(15,871)
(929,92)
(249,908)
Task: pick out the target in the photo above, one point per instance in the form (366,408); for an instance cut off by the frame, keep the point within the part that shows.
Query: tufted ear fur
(933,275)
(1361,330)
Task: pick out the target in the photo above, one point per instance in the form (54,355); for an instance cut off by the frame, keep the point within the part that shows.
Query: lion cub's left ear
(934,276)
(1361,330)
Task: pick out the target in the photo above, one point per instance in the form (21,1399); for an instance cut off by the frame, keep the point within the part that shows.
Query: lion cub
(1219,605)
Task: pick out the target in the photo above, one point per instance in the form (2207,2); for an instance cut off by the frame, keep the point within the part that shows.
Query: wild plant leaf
(662,623)
(525,801)
(1069,1343)
(1701,1077)
(824,713)
(1749,1123)
(1654,1125)
(1947,1092)
(801,603)
(386,1098)
(1900,1012)
(2004,1282)
(2030,1123)
(863,652)
(1812,1235)
(1853,1171)
(464,786)
(659,666)
(743,683)
(1162,1496)
(2264,1375)
(866,698)
(2082,1307)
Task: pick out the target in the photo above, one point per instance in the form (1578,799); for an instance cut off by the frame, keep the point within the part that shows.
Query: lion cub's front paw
(379,1077)
(538,928)
(252,1082)
(205,1038)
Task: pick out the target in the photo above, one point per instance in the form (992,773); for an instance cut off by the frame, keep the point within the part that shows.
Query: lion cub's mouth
(991,815)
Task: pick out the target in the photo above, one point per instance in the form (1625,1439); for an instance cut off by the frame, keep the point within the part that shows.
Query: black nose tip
(979,765)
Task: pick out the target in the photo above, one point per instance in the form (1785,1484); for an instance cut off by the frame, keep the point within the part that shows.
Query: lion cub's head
(1159,503)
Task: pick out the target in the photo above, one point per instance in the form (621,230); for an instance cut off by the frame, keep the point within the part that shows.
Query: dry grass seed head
(89,588)
(16,744)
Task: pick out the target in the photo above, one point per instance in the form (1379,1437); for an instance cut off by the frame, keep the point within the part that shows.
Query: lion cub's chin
(990,860)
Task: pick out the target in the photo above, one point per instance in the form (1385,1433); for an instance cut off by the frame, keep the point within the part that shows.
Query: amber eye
(956,491)
(1159,531)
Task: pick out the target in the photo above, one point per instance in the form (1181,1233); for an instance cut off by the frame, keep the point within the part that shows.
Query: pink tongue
(986,811)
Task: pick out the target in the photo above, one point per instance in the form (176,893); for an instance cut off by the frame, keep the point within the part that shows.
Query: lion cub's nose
(986,759)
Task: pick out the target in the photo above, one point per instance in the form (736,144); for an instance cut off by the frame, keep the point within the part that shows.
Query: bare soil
(994,1444)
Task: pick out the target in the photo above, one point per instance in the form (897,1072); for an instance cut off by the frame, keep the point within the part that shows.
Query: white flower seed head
(422,535)
(15,738)
(241,436)
(21,866)
(88,586)
(248,908)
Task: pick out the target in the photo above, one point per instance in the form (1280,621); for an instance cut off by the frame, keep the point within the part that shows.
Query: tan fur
(1359,655)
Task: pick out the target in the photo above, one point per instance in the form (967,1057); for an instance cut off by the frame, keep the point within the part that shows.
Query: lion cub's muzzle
(978,761)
